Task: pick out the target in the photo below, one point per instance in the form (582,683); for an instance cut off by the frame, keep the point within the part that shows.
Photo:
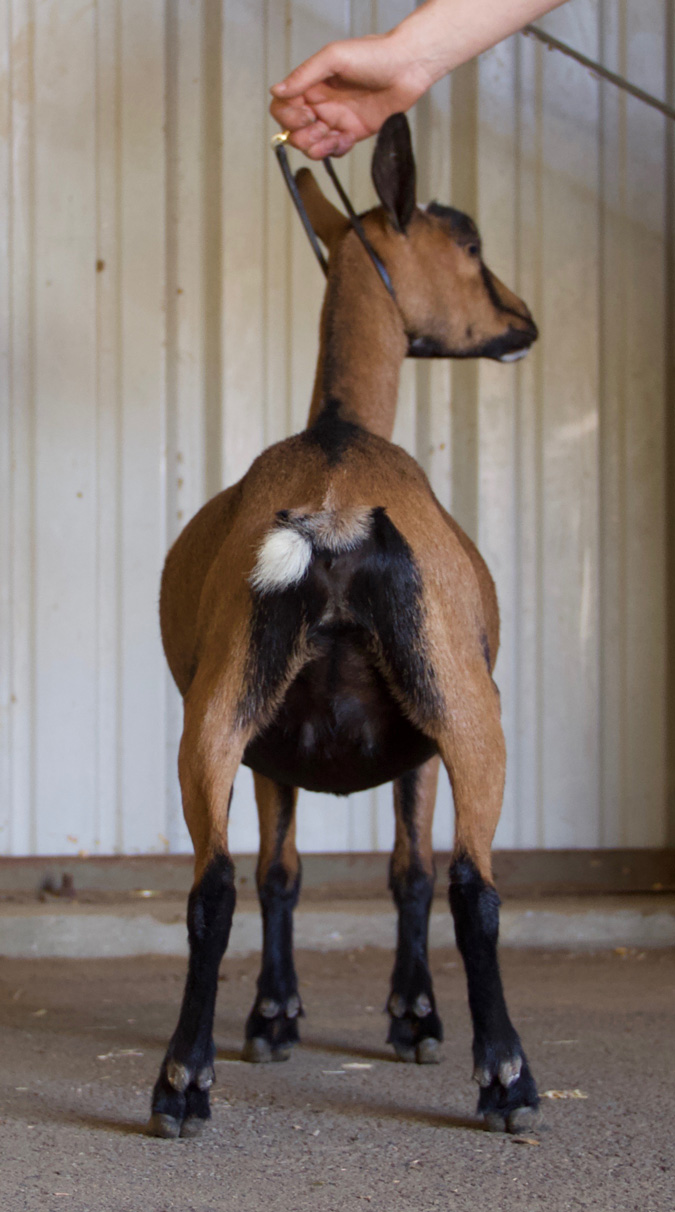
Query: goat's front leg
(474,753)
(207,765)
(415,1028)
(272,1026)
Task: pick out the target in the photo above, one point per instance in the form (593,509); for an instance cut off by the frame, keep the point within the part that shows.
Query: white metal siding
(159,309)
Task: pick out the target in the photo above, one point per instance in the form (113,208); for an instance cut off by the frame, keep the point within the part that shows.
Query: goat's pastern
(272,1030)
(180,1100)
(508,1100)
(415,1029)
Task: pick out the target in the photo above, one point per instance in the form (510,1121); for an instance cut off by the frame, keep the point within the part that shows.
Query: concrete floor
(341,1126)
(115,925)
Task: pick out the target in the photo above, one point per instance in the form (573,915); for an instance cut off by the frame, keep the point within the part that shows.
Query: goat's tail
(287,550)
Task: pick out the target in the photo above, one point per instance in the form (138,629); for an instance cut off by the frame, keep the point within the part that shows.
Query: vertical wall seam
(515,759)
(266,211)
(602,203)
(119,411)
(172,101)
(97,806)
(212,235)
(669,149)
(11,344)
(288,242)
(32,351)
(622,554)
(539,451)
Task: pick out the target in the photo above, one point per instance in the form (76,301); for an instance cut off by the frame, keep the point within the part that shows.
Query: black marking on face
(332,433)
(486,651)
(498,303)
(462,227)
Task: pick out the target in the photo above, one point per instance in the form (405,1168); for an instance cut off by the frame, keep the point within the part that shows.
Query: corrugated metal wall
(159,313)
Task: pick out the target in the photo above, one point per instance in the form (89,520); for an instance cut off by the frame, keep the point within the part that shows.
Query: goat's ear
(328,222)
(394,171)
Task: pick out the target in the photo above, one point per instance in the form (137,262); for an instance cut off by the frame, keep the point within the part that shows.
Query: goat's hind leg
(415,1028)
(473,750)
(180,1099)
(272,1026)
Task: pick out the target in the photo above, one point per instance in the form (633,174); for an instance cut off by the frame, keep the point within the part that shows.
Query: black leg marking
(414,1028)
(272,1026)
(180,1100)
(500,1065)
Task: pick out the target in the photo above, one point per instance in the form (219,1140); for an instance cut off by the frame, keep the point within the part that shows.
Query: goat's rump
(339,728)
(339,595)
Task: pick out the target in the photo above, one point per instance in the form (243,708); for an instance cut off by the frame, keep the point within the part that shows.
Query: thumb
(315,69)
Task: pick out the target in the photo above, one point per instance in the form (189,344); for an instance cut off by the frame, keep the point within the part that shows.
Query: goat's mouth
(513,345)
(515,355)
(510,346)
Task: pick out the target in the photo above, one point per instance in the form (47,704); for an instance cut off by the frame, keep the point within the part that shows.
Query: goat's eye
(473,250)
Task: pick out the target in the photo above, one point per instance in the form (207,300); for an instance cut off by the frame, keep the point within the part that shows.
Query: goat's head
(452,305)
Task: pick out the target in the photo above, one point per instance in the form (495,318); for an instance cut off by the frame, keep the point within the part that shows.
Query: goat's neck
(363,344)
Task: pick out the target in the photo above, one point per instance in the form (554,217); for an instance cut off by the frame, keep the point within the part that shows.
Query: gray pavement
(127,925)
(340,1127)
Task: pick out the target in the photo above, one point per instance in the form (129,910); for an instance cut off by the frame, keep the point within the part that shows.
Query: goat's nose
(530,329)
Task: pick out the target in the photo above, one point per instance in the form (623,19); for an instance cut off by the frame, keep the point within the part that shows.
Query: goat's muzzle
(515,343)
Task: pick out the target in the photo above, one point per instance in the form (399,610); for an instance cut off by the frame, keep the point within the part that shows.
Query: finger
(340,118)
(292,117)
(330,146)
(345,143)
(305,140)
(315,69)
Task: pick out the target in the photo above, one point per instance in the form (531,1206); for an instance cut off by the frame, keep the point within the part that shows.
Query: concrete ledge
(518,873)
(74,931)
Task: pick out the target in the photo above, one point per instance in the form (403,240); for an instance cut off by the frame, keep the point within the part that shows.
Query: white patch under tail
(286,551)
(283,560)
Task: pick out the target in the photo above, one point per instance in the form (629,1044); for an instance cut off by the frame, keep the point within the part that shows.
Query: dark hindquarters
(180,1100)
(271,1028)
(415,1028)
(508,1093)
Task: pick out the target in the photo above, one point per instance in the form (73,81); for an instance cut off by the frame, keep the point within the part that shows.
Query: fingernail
(279,88)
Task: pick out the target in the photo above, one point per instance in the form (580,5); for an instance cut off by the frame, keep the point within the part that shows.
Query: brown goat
(330,626)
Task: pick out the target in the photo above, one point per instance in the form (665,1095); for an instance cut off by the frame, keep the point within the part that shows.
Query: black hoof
(522,1120)
(259,1051)
(415,1030)
(508,1099)
(427,1052)
(180,1100)
(191,1126)
(272,1030)
(164,1126)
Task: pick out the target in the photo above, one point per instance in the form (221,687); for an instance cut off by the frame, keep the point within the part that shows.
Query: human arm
(349,88)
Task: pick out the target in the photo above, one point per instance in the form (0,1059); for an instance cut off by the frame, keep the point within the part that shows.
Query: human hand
(346,91)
